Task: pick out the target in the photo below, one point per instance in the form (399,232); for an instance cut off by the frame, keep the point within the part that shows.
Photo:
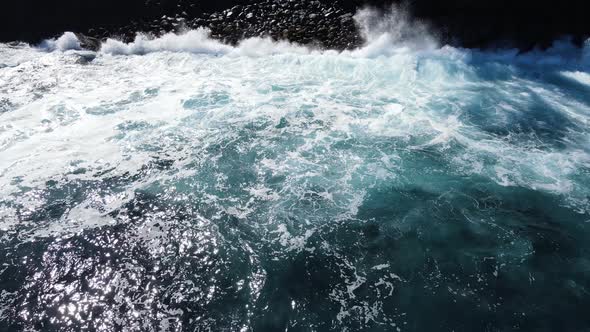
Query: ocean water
(180,184)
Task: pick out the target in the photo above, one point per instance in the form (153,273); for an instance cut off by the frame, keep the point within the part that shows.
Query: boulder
(88,43)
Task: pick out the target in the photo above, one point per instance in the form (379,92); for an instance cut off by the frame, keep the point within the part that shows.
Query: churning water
(186,185)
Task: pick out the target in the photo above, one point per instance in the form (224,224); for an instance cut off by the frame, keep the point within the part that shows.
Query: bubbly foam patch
(482,114)
(199,42)
(195,41)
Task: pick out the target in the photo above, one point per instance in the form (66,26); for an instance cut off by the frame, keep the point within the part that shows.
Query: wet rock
(88,43)
(295,21)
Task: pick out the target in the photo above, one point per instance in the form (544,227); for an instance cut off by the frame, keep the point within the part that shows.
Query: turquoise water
(182,184)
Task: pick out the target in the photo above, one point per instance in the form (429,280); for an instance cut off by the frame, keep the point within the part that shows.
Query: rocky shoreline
(322,23)
(307,22)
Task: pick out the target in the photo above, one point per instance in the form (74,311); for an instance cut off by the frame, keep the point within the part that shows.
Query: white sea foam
(385,34)
(199,42)
(68,41)
(194,41)
(578,76)
(63,120)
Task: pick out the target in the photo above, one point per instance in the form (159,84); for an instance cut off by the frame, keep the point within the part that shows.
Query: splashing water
(179,183)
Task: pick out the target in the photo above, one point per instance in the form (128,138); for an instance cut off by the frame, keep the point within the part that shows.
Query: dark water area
(528,272)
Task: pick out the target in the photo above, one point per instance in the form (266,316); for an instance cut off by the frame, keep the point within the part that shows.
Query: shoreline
(325,24)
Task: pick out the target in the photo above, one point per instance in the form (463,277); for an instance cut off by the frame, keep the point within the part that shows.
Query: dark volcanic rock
(303,21)
(89,43)
(521,23)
